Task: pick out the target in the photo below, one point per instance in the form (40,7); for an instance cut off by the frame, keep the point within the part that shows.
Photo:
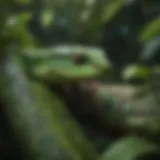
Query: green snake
(38,117)
(57,64)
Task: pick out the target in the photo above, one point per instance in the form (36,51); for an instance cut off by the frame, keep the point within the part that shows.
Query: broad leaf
(111,9)
(151,30)
(150,49)
(135,72)
(128,148)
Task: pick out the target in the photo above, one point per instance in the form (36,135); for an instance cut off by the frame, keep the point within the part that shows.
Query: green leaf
(47,17)
(68,133)
(150,49)
(111,9)
(151,30)
(128,148)
(16,20)
(16,26)
(135,71)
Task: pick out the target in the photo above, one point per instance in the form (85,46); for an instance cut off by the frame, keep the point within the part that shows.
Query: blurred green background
(128,31)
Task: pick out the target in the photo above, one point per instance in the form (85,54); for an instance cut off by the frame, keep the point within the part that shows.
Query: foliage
(46,128)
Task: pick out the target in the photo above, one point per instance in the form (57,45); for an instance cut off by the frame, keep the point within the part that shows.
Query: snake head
(67,63)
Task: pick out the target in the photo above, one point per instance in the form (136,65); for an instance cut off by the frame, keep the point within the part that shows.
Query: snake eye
(79,59)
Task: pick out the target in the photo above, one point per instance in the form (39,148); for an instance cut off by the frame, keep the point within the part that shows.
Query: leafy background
(128,30)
